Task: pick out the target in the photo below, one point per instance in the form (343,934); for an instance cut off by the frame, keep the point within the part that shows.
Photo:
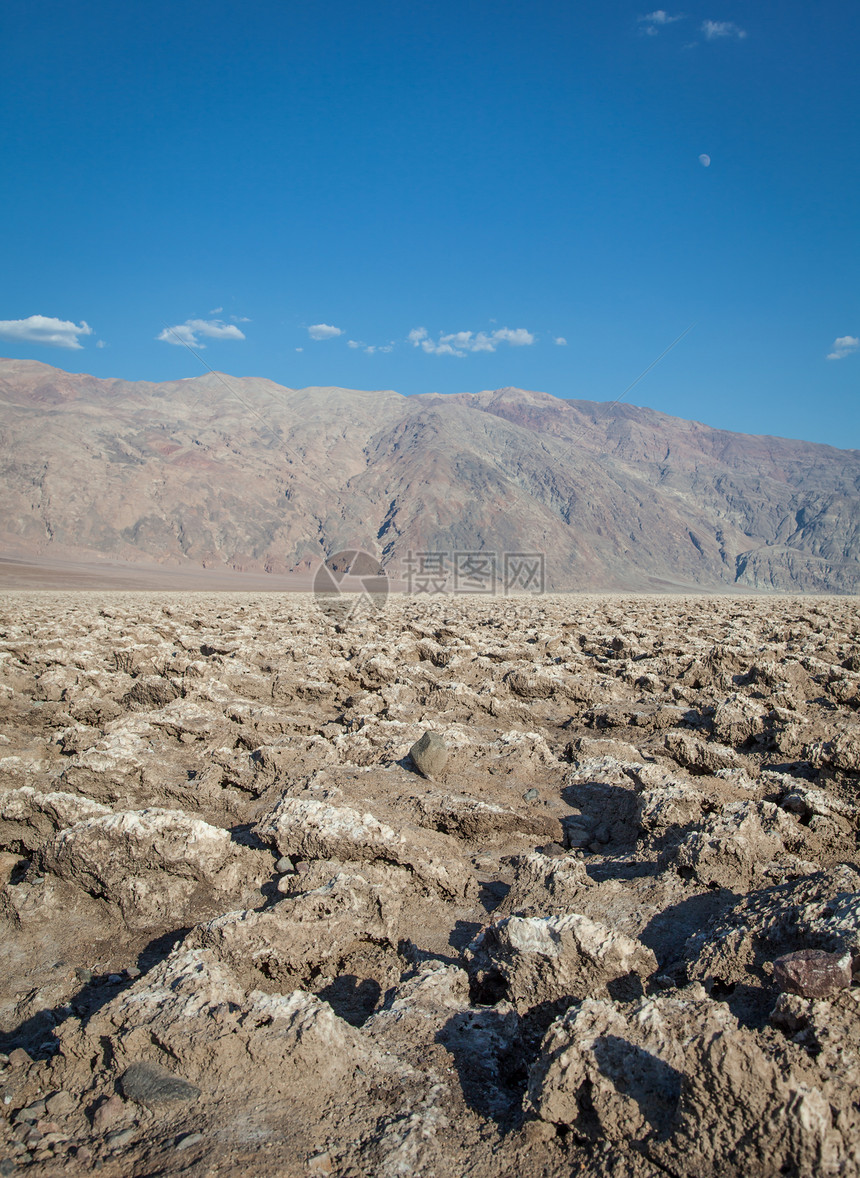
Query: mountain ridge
(242,473)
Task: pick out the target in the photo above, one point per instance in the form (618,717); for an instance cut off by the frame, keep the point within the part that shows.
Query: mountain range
(223,472)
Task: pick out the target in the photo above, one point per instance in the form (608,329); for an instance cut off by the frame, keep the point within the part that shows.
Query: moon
(705,160)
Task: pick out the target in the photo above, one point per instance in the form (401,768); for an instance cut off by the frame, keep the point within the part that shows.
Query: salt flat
(245,934)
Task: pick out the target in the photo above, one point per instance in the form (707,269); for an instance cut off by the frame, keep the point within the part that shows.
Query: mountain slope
(244,473)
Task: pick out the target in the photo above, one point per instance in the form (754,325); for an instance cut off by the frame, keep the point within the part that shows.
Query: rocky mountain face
(242,473)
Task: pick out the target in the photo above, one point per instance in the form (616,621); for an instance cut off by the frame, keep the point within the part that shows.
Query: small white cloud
(216,310)
(844,346)
(715,29)
(42,329)
(188,332)
(299,349)
(705,160)
(654,21)
(560,341)
(387,347)
(100,343)
(324,331)
(459,343)
(354,343)
(240,318)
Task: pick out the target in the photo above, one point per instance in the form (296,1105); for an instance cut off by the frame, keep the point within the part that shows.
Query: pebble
(120,1137)
(31,1114)
(132,972)
(284,866)
(108,1113)
(115,979)
(19,1058)
(7,1167)
(531,795)
(429,755)
(149,1083)
(188,1139)
(813,973)
(59,1104)
(84,975)
(553,850)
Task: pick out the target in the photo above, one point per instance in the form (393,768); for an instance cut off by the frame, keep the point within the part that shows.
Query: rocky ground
(602,922)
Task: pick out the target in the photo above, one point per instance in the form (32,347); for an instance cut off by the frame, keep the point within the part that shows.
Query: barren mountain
(242,473)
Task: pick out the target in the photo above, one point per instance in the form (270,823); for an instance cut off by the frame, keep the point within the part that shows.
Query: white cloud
(714,29)
(560,341)
(354,343)
(100,343)
(654,21)
(240,318)
(299,349)
(216,310)
(369,349)
(42,329)
(188,332)
(844,346)
(705,160)
(323,331)
(459,343)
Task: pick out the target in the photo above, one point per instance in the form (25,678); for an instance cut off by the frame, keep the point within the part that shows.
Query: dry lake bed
(604,920)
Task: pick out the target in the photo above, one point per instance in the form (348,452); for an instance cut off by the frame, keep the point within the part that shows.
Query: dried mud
(243,934)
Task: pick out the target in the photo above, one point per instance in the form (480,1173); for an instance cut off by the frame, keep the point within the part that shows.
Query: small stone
(7,1167)
(148,1083)
(108,1113)
(31,1114)
(115,979)
(594,847)
(84,1155)
(813,973)
(320,1163)
(429,755)
(284,866)
(602,834)
(303,867)
(19,1058)
(132,972)
(120,1137)
(186,1140)
(84,975)
(552,850)
(531,795)
(60,1104)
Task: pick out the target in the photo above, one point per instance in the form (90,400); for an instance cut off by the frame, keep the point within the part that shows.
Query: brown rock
(813,973)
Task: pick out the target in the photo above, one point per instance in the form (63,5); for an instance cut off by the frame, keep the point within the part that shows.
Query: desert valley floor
(244,934)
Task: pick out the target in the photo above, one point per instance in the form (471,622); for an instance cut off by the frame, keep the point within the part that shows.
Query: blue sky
(453,189)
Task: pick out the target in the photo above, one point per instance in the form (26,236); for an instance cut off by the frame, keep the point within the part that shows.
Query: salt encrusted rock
(309,829)
(429,755)
(680,1081)
(820,911)
(813,973)
(28,818)
(554,958)
(311,935)
(544,885)
(155,865)
(729,849)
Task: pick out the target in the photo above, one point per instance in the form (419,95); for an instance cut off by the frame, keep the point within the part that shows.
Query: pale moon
(705,160)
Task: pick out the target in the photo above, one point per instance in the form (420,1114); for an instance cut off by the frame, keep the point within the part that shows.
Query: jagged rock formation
(241,473)
(243,933)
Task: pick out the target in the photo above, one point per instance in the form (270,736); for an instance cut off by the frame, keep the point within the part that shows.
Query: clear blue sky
(521,171)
